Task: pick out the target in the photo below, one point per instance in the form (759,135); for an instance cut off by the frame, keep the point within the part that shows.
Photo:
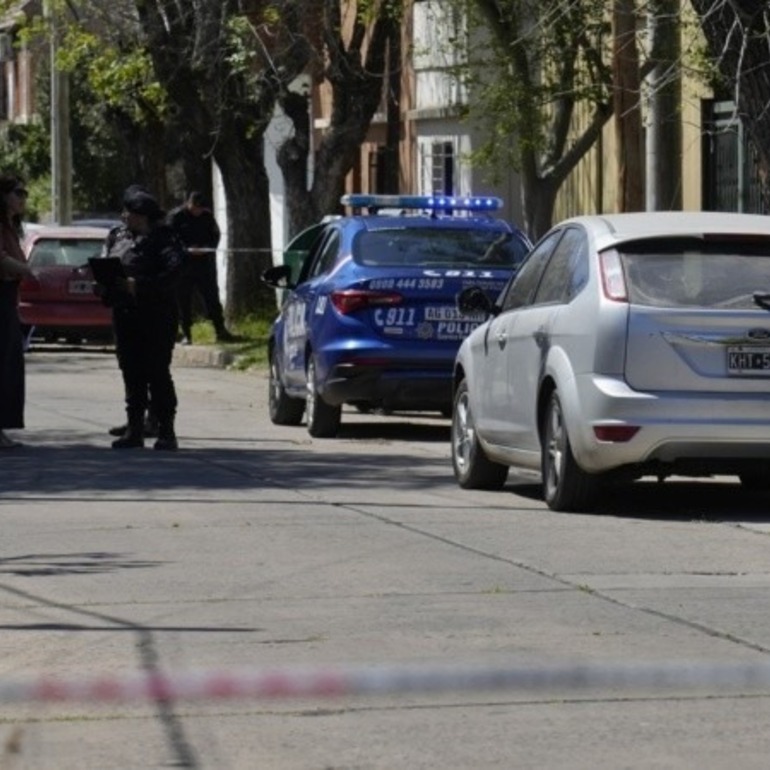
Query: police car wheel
(323,420)
(284,410)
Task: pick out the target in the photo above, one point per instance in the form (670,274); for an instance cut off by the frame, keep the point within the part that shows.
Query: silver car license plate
(748,359)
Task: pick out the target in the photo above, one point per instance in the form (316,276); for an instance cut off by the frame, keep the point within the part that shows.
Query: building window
(442,168)
(381,182)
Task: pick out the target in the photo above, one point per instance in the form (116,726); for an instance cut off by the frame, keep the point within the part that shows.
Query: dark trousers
(200,273)
(11,359)
(144,340)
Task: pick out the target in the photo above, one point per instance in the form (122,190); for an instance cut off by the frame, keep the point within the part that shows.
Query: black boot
(150,427)
(133,438)
(166,437)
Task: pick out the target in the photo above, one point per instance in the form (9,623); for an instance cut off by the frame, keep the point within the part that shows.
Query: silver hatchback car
(626,345)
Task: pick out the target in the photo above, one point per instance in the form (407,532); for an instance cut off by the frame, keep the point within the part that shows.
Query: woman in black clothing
(13,267)
(144,315)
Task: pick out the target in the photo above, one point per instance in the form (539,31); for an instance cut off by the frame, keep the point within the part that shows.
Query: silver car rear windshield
(692,272)
(420,247)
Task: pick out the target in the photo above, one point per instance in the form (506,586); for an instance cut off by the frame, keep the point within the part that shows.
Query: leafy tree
(738,35)
(222,64)
(356,62)
(546,58)
(546,85)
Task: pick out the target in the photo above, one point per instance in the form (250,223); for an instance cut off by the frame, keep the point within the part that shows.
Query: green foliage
(536,55)
(25,148)
(242,54)
(122,79)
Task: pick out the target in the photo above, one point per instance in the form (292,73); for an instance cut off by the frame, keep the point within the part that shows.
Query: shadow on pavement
(53,469)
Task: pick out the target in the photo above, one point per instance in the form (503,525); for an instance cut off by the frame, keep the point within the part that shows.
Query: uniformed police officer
(197,228)
(144,315)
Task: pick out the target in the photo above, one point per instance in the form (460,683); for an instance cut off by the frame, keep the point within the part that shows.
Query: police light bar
(430,202)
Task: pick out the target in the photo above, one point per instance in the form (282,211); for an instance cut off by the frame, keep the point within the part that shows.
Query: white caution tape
(381,680)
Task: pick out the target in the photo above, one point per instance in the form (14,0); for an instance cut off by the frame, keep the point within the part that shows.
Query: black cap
(197,198)
(138,201)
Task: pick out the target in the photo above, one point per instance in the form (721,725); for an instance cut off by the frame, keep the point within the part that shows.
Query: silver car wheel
(566,486)
(462,433)
(555,437)
(472,468)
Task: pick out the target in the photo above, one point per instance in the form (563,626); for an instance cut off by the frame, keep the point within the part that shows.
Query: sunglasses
(21,192)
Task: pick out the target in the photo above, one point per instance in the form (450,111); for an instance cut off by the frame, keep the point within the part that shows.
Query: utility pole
(61,146)
(627,106)
(664,125)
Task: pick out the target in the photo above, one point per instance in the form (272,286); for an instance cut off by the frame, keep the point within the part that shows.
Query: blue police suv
(370,319)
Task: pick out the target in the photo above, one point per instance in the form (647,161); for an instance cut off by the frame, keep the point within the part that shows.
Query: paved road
(258,546)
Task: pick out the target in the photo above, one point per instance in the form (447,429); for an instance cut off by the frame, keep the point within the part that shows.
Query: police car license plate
(748,360)
(449,313)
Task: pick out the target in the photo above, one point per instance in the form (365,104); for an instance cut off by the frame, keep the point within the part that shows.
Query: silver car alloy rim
(463,433)
(555,448)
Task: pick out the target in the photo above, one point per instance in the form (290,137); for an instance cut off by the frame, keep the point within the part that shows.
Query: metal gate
(730,178)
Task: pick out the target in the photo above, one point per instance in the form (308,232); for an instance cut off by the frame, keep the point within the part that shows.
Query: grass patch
(250,351)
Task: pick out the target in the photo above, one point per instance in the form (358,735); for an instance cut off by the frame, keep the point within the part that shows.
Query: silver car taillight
(613,279)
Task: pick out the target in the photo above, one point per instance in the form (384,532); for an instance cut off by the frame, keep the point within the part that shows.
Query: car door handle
(502,338)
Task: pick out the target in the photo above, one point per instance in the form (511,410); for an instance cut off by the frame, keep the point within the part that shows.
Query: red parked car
(59,301)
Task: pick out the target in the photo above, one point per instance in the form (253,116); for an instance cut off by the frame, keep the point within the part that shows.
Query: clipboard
(106,270)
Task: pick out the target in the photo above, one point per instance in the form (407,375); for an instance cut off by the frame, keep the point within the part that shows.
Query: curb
(203,356)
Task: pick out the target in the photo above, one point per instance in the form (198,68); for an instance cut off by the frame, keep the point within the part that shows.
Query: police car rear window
(421,247)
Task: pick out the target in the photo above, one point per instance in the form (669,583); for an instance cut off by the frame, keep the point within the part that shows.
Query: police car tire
(472,468)
(284,410)
(323,420)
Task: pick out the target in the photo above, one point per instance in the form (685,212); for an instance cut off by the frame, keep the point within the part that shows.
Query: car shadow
(717,500)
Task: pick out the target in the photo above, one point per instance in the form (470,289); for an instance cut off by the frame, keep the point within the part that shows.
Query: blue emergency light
(425,202)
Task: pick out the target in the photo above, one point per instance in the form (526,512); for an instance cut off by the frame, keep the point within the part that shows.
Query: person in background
(13,267)
(145,315)
(197,228)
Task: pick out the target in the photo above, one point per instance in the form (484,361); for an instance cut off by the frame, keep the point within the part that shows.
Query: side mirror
(278,277)
(474,300)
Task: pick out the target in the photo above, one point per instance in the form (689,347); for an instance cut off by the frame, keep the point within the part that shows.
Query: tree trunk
(241,161)
(356,78)
(538,198)
(627,107)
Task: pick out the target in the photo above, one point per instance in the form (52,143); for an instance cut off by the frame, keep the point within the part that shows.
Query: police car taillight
(350,300)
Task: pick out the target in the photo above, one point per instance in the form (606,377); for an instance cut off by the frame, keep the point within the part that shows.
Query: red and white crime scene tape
(267,684)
